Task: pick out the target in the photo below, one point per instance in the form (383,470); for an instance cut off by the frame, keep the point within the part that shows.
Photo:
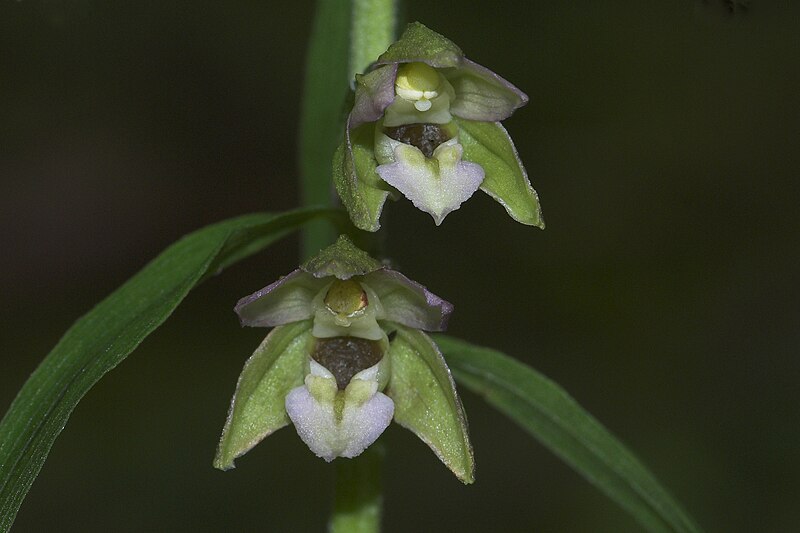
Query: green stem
(374,26)
(359,494)
(345,38)
(330,69)
(322,114)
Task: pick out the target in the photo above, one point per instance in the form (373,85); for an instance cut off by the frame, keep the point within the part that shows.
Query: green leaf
(257,409)
(488,144)
(323,113)
(342,260)
(426,401)
(418,43)
(361,190)
(548,413)
(108,333)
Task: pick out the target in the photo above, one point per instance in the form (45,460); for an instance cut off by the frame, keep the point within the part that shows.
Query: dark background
(663,140)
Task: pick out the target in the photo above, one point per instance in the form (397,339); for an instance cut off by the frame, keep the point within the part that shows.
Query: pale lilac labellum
(438,185)
(365,415)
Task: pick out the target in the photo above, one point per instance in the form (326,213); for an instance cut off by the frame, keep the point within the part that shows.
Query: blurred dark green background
(663,138)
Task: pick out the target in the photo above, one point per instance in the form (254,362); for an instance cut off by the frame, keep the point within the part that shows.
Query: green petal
(418,43)
(407,302)
(257,409)
(342,260)
(374,93)
(481,94)
(488,144)
(426,401)
(361,190)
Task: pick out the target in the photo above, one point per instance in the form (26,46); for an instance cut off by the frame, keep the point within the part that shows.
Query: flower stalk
(358,503)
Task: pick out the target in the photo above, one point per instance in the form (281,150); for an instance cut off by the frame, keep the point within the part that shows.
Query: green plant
(344,44)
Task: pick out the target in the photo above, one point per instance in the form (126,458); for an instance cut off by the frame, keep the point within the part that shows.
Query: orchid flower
(426,122)
(347,355)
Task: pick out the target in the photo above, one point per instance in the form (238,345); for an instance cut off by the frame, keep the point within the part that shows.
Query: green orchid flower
(347,355)
(426,123)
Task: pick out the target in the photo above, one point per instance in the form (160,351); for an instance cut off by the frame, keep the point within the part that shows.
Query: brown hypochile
(426,137)
(345,357)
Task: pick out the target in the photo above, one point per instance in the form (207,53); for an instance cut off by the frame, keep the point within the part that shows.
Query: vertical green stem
(373,29)
(346,37)
(322,115)
(359,492)
(374,25)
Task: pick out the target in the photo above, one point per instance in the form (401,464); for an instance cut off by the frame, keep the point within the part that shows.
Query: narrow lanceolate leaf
(426,401)
(109,332)
(548,413)
(257,409)
(489,145)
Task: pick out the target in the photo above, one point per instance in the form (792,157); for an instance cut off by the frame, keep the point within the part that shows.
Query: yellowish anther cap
(418,83)
(346,298)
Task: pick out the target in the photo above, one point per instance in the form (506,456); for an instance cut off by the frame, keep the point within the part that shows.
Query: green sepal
(418,43)
(481,94)
(426,401)
(361,190)
(342,260)
(257,409)
(489,145)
